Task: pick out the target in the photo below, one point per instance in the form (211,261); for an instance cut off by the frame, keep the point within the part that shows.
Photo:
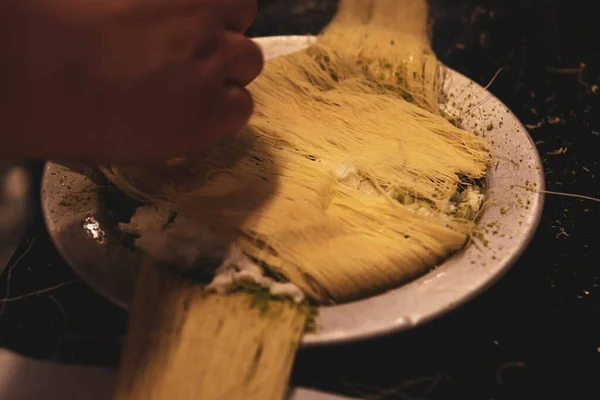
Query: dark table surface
(534,335)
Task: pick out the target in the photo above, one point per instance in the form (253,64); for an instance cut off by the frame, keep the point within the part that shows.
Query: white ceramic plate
(81,225)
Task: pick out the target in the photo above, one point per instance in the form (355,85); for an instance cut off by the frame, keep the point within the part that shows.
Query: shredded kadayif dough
(315,188)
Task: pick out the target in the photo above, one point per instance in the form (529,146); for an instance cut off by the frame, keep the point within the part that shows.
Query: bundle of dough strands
(348,181)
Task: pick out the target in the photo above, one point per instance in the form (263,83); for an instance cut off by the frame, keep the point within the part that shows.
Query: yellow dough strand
(407,17)
(185,345)
(341,183)
(341,130)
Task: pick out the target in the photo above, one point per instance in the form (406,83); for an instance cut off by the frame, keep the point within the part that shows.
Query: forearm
(16,207)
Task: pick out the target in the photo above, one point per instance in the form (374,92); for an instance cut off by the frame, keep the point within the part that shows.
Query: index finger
(238,14)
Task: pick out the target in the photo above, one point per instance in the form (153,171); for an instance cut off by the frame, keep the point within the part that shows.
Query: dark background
(534,335)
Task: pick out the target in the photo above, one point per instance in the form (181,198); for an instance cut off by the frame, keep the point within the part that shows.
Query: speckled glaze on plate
(81,224)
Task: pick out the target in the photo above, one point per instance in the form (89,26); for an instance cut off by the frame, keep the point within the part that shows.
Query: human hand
(123,81)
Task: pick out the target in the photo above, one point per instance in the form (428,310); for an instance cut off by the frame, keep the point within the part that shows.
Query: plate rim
(362,332)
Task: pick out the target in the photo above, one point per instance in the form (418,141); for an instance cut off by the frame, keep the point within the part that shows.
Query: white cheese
(473,198)
(425,212)
(183,242)
(368,187)
(237,269)
(288,290)
(348,175)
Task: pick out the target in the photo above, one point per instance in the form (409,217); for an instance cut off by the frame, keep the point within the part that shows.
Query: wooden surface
(184,345)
